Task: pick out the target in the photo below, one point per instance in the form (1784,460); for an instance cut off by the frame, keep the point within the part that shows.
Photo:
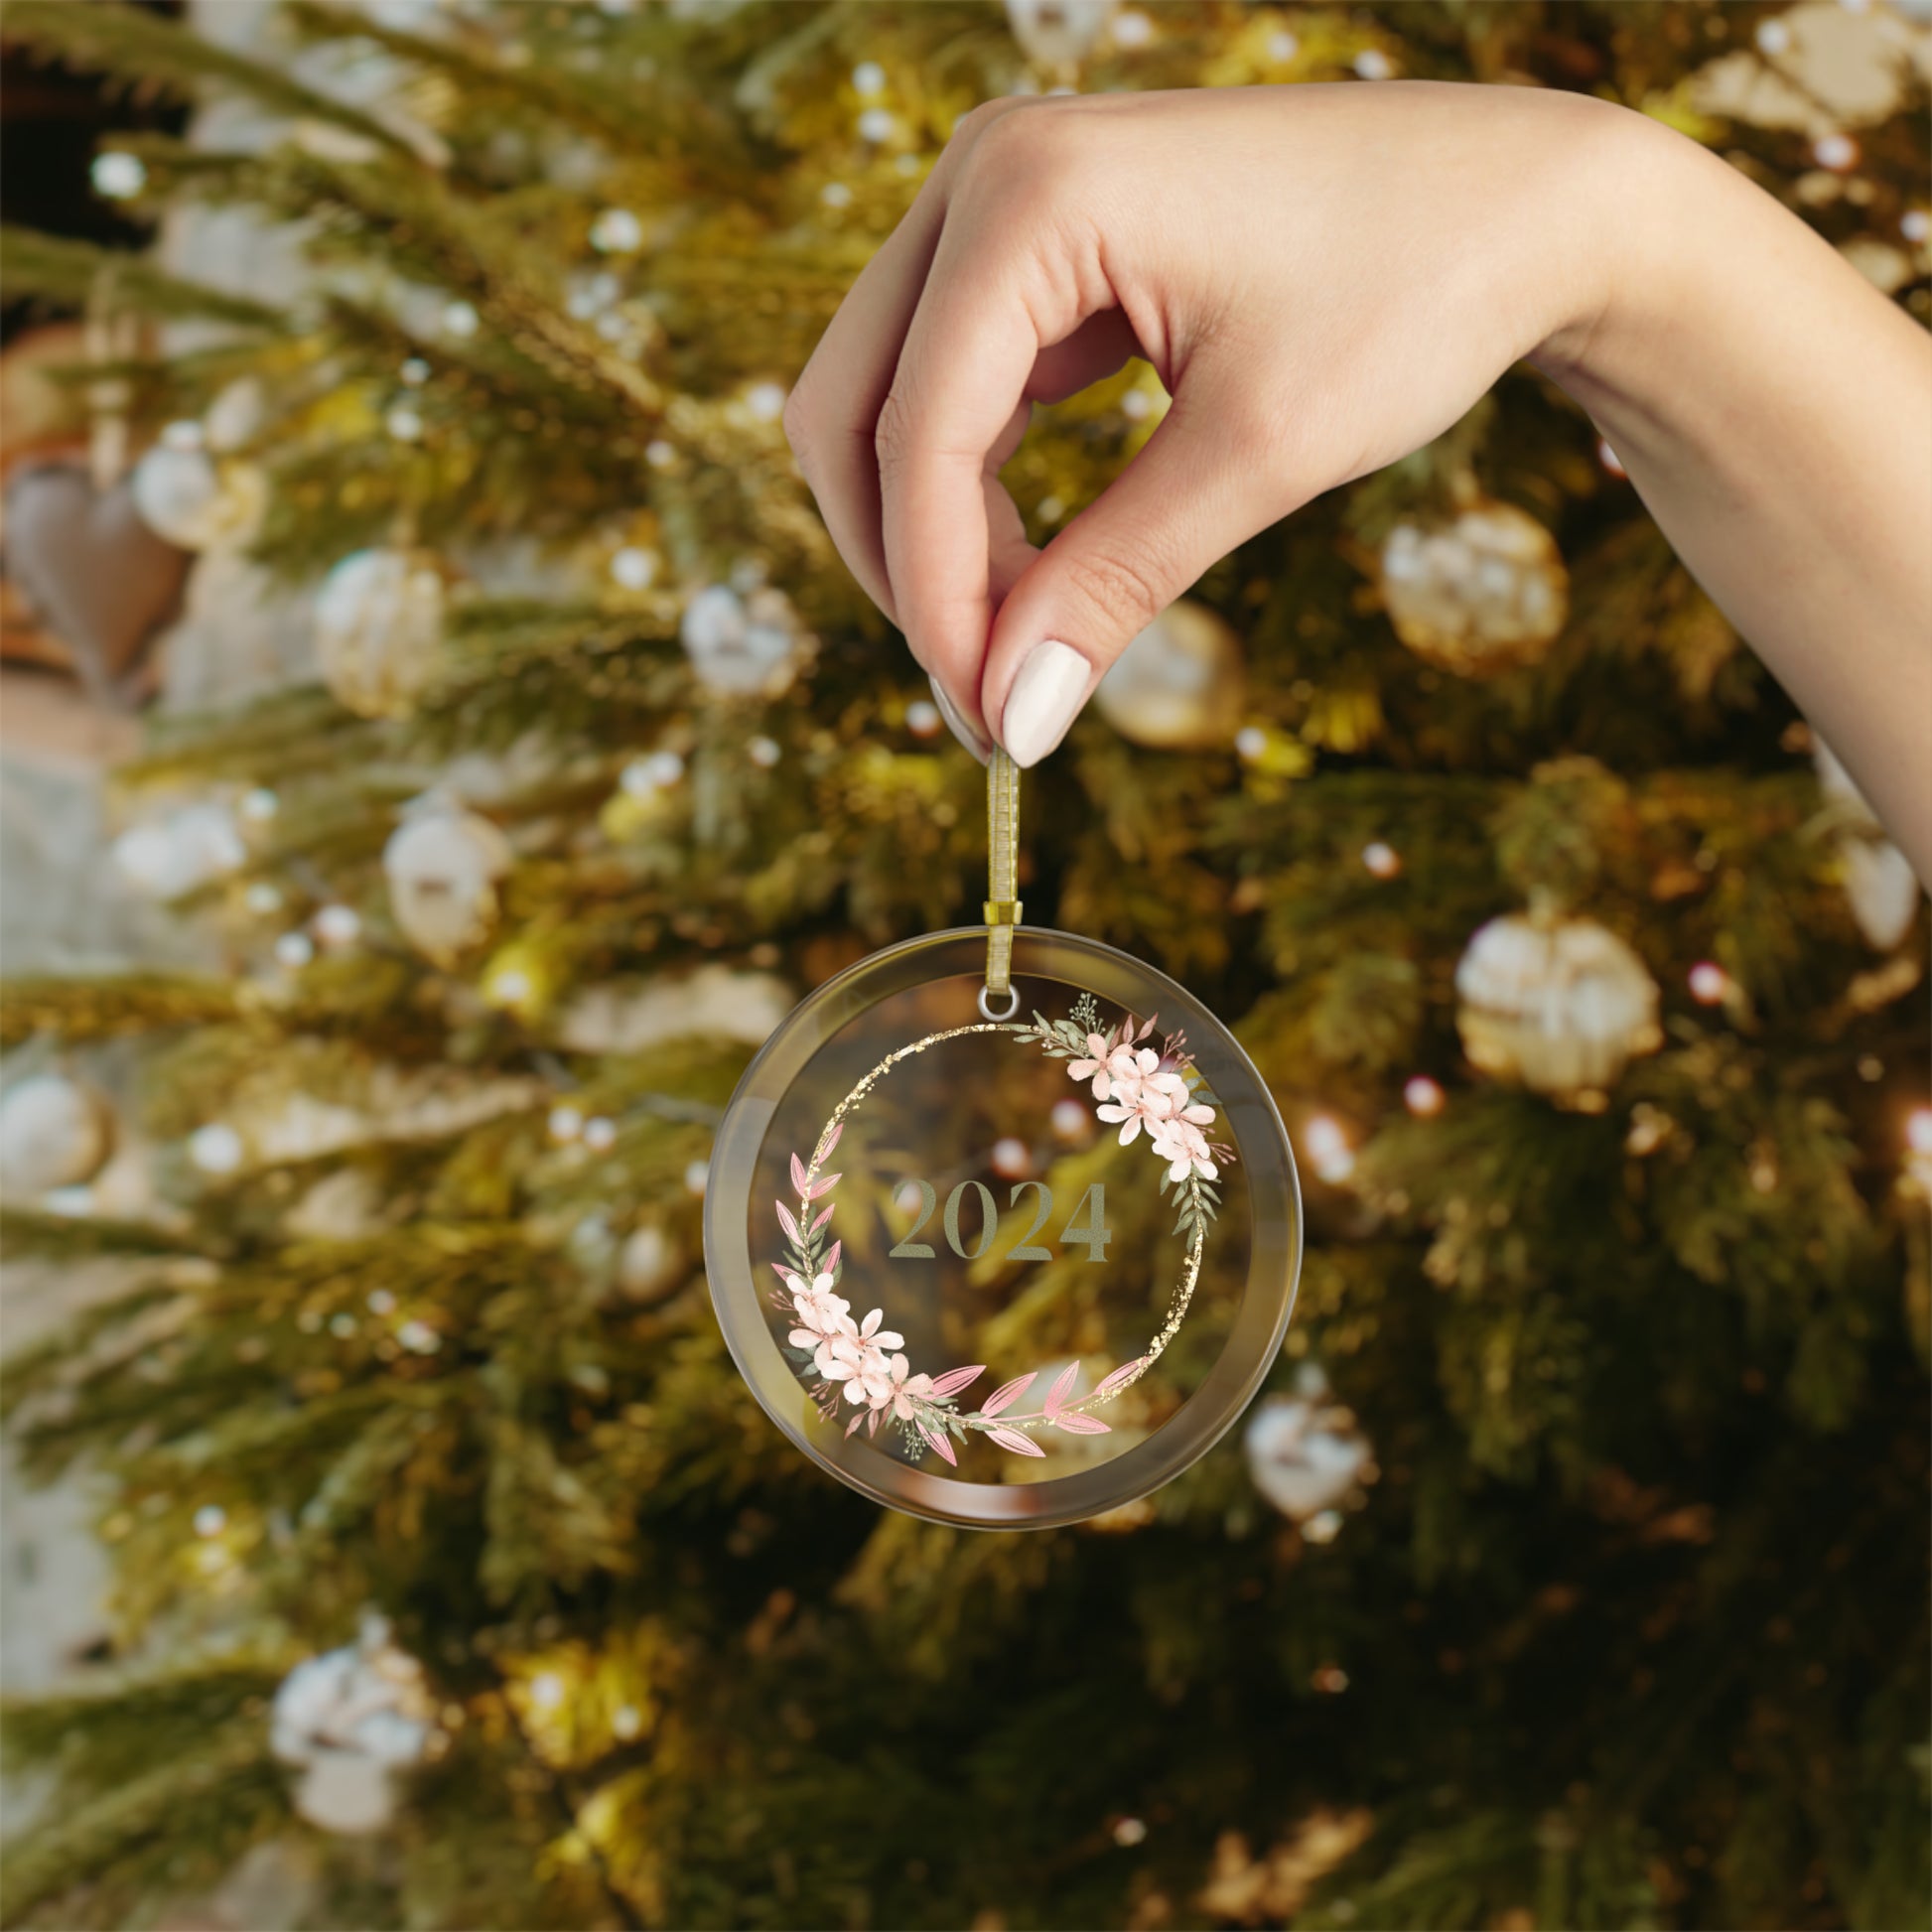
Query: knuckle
(894,435)
(1127,591)
(798,424)
(1021,158)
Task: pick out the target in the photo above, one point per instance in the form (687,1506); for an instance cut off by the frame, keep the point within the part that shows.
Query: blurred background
(439,744)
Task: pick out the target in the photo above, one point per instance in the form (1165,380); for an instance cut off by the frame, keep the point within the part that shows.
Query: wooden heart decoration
(104,583)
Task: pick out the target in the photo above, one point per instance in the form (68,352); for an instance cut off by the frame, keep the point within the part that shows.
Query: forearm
(1774,412)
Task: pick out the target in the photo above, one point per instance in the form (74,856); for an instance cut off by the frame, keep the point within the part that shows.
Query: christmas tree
(1572,1571)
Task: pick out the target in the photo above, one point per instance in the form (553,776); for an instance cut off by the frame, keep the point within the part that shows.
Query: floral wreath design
(849,1363)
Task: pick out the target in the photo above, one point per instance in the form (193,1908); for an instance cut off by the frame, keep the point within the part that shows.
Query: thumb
(1197,491)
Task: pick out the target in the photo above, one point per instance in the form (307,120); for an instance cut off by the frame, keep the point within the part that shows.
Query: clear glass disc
(943,1272)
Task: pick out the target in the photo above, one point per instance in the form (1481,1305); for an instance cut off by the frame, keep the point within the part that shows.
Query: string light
(565,1124)
(617,232)
(1423,1097)
(118,177)
(1382,860)
(599,1135)
(1709,982)
(1329,1150)
(658,771)
(634,568)
(338,926)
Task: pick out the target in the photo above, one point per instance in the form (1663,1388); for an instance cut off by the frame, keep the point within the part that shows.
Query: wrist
(1627,303)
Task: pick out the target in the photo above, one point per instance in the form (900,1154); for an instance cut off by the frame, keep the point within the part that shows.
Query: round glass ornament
(1007,1262)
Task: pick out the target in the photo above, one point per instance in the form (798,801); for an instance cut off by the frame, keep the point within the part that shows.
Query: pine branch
(77,273)
(658,114)
(111,1006)
(159,57)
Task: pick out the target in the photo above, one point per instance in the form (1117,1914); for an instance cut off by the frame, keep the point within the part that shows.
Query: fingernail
(957,725)
(1044,700)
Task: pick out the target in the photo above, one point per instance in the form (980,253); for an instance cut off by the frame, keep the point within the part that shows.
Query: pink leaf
(1075,1424)
(783,1273)
(872,1422)
(1007,1395)
(939,1443)
(831,1141)
(1119,1376)
(1148,1028)
(822,1186)
(832,1258)
(956,1379)
(854,1421)
(786,1222)
(798,1174)
(1010,1438)
(1062,1387)
(823,1218)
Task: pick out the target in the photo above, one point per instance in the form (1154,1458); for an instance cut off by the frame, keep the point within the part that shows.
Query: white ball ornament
(1306,1453)
(216,1148)
(442,866)
(1178,684)
(379,629)
(1059,32)
(1879,878)
(1558,1004)
(1484,592)
(53,1133)
(170,857)
(350,1720)
(195,501)
(740,646)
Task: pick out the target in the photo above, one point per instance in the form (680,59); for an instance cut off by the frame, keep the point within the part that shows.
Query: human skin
(1325,278)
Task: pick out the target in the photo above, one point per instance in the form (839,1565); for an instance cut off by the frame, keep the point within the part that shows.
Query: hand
(1325,278)
(1306,270)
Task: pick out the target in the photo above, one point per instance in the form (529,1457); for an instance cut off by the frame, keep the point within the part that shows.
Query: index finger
(961,381)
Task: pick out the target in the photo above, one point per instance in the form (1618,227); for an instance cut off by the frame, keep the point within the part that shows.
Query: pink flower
(824,1323)
(1114,1074)
(1162,1096)
(1182,1144)
(818,1307)
(871,1332)
(868,1377)
(904,1387)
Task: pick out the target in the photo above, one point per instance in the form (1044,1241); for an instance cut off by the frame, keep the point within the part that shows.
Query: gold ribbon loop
(1001,875)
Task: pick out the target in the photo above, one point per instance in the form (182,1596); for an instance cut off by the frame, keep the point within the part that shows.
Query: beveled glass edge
(1207,1414)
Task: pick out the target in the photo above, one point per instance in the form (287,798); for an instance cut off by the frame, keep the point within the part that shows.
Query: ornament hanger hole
(1012,1006)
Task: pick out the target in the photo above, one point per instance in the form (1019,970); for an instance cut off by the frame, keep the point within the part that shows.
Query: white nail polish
(1045,698)
(957,725)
